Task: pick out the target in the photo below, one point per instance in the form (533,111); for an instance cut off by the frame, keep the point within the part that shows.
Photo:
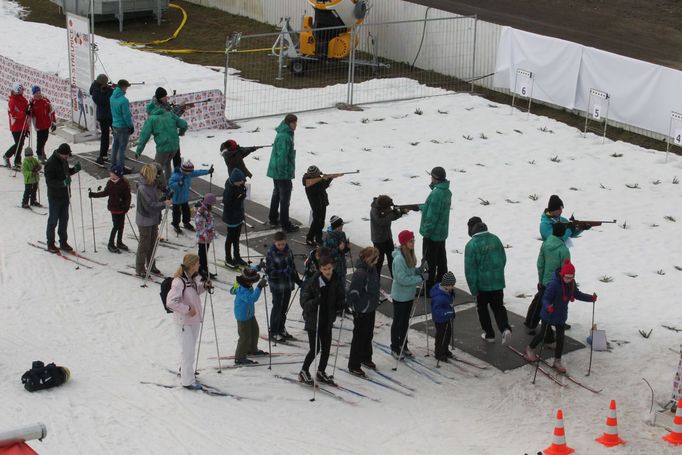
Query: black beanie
(160,93)
(438,173)
(555,203)
(476,225)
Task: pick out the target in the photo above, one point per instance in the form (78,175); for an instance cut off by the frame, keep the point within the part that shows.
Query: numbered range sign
(674,132)
(598,104)
(596,112)
(677,137)
(523,85)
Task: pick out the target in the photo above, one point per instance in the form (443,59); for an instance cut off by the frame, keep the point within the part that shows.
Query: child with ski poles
(321,299)
(245,314)
(443,314)
(233,217)
(30,168)
(205,232)
(558,293)
(118,191)
(180,183)
(282,276)
(339,246)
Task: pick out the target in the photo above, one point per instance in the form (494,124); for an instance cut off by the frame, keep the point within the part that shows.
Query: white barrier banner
(80,64)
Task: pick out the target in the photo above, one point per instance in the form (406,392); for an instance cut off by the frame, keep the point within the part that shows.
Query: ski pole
(132,228)
(543,331)
(293,297)
(267,321)
(73,227)
(317,335)
(402,348)
(201,333)
(443,344)
(80,197)
(338,340)
(248,250)
(22,137)
(92,216)
(210,181)
(215,261)
(215,329)
(156,244)
(426,322)
(589,368)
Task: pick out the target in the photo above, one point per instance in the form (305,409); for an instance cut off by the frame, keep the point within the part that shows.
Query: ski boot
(322,377)
(557,365)
(304,377)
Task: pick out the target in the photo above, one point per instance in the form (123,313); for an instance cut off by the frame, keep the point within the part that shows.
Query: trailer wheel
(297,67)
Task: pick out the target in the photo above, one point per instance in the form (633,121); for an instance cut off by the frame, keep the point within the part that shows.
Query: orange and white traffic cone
(675,436)
(610,437)
(558,446)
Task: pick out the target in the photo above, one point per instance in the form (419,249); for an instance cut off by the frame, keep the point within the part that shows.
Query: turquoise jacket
(282,165)
(546,223)
(405,279)
(120,110)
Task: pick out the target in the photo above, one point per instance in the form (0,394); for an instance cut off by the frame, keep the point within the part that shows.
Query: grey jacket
(380,223)
(149,205)
(363,292)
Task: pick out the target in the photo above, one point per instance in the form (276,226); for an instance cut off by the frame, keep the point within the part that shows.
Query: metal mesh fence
(289,71)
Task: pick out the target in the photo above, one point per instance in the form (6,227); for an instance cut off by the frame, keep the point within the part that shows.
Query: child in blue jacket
(443,314)
(179,183)
(245,314)
(558,293)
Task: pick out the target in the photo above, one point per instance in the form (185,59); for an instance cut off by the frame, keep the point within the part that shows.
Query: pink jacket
(181,301)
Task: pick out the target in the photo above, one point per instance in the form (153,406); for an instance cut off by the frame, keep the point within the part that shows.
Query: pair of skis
(69,256)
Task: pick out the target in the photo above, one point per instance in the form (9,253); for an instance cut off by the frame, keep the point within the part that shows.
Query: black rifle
(407,207)
(338,174)
(582,225)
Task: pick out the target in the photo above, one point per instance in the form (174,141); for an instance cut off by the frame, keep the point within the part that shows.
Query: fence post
(352,63)
(280,57)
(227,68)
(473,55)
(349,96)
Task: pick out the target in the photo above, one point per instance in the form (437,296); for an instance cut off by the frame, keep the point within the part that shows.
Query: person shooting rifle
(316,184)
(234,155)
(406,208)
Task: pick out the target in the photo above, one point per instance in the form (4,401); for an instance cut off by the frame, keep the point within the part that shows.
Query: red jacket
(16,108)
(43,114)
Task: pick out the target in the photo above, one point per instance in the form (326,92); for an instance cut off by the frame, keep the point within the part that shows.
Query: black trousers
(385,250)
(105,129)
(203,259)
(443,335)
(401,322)
(186,215)
(177,159)
(18,146)
(559,337)
(324,344)
(435,255)
(30,190)
(41,140)
(232,243)
(118,219)
(495,300)
(315,231)
(361,346)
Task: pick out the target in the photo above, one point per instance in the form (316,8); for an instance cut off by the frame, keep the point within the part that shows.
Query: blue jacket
(442,305)
(120,110)
(179,183)
(233,199)
(244,302)
(558,295)
(405,279)
(546,223)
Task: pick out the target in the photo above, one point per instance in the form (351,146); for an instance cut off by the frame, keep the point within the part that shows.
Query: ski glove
(550,309)
(263,282)
(594,298)
(67,181)
(424,267)
(131,130)
(210,170)
(424,275)
(77,166)
(53,127)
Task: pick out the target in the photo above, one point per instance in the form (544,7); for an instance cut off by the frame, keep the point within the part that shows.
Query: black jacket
(380,223)
(328,296)
(56,171)
(100,96)
(317,193)
(363,292)
(235,158)
(233,204)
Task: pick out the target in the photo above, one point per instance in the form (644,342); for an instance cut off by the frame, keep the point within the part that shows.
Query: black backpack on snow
(42,376)
(165,289)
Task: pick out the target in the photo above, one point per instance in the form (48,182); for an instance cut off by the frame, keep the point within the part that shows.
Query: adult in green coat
(166,127)
(484,261)
(434,226)
(281,170)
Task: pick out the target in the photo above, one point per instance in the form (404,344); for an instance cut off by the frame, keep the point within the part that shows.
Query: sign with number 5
(596,112)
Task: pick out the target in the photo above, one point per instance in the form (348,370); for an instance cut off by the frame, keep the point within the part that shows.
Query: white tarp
(641,94)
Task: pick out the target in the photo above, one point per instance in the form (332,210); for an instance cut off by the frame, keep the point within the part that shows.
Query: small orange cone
(610,437)
(675,436)
(558,446)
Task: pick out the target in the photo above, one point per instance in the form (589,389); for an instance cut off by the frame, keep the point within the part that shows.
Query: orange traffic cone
(675,436)
(558,446)
(610,437)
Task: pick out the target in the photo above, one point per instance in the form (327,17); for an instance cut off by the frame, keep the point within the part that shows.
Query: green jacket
(282,164)
(436,213)
(30,167)
(164,126)
(553,253)
(484,261)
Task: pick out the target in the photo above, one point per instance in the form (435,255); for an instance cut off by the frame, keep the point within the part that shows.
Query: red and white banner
(80,70)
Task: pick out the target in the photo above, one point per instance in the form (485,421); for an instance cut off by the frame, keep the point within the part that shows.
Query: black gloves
(263,282)
(210,170)
(131,130)
(53,127)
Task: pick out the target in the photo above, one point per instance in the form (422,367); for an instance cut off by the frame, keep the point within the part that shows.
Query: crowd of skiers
(325,291)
